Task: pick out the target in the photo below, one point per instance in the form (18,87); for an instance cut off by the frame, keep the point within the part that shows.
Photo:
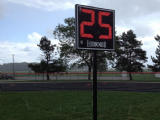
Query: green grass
(78,106)
(145,77)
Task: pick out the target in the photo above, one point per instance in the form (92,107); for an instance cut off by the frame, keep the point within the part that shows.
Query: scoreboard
(95,28)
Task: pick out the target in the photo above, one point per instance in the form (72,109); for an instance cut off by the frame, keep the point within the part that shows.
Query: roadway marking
(12,85)
(89,84)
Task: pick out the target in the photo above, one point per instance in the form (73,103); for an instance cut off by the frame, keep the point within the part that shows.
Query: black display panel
(95,28)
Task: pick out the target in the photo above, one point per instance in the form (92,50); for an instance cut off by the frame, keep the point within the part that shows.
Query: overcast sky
(24,22)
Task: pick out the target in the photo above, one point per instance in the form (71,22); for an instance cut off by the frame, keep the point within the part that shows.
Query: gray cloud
(129,9)
(26,49)
(49,33)
(50,5)
(143,30)
(134,14)
(1,9)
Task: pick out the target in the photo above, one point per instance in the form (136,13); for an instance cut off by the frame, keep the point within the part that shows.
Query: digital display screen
(94,28)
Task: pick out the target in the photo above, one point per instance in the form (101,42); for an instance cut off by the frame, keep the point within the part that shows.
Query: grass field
(78,106)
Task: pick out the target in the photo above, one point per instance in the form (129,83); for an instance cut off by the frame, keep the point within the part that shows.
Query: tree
(36,67)
(57,65)
(129,55)
(48,64)
(102,67)
(48,49)
(156,66)
(66,36)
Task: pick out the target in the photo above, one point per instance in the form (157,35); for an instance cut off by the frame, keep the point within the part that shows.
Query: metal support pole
(94,85)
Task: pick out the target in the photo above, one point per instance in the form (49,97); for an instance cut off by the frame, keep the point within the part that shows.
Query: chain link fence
(78,76)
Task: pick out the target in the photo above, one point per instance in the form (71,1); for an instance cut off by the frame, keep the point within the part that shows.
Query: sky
(24,22)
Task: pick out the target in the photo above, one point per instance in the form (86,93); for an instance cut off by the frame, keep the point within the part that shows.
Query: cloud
(50,5)
(49,32)
(126,9)
(34,37)
(140,15)
(1,9)
(155,24)
(134,14)
(27,49)
(18,49)
(121,29)
(149,45)
(142,30)
(23,52)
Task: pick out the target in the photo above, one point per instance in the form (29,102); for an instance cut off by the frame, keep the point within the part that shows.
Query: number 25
(93,21)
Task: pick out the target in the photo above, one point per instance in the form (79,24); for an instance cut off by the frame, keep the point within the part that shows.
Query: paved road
(82,86)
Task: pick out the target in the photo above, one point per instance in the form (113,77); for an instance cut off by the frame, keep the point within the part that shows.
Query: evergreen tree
(129,55)
(47,64)
(102,66)
(57,65)
(47,48)
(156,60)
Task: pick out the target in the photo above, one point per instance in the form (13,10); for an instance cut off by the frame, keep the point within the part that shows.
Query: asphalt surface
(82,86)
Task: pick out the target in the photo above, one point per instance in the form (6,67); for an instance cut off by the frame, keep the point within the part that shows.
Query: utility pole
(13,64)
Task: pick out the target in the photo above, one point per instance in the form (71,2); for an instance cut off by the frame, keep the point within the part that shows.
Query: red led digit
(104,25)
(87,23)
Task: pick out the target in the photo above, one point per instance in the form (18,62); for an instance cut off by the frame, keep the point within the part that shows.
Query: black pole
(94,85)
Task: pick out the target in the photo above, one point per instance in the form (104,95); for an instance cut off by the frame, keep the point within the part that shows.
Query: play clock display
(94,28)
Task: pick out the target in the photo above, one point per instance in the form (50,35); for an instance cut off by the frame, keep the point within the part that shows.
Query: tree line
(128,55)
(23,66)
